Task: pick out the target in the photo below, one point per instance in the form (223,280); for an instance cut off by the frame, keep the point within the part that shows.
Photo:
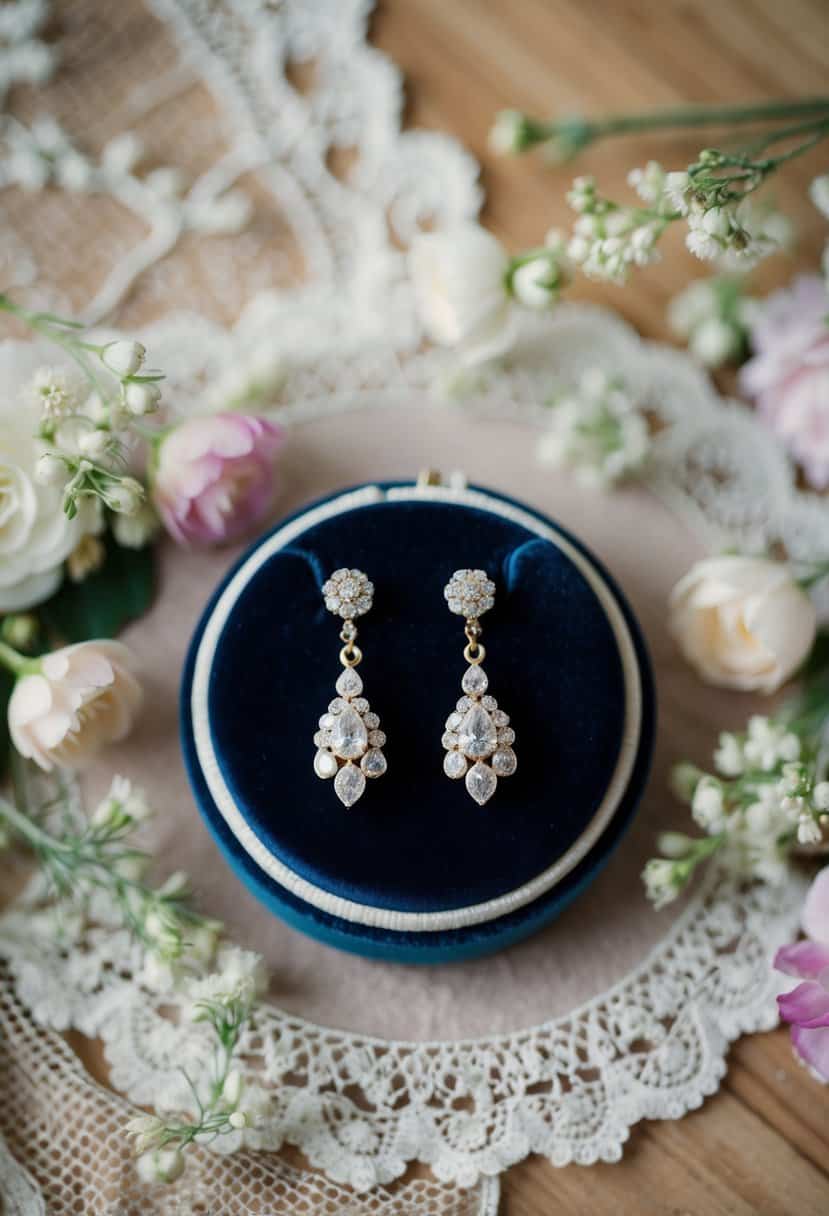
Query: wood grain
(761,1146)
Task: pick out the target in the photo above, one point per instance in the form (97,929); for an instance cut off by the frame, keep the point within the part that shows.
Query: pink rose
(75,700)
(215,477)
(789,373)
(807,1005)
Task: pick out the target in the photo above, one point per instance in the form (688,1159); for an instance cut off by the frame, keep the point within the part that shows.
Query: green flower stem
(588,131)
(15,662)
(53,329)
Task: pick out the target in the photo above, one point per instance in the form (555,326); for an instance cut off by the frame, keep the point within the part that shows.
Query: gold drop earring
(349,741)
(478,737)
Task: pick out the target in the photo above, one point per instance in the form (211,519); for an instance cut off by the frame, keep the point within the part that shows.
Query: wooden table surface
(761,1145)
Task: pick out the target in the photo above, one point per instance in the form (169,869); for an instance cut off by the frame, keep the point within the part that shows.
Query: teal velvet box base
(415,870)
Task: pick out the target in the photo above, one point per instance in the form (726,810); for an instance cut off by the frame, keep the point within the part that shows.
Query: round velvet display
(415,853)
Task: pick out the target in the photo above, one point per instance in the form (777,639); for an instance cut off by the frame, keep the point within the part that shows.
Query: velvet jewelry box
(415,870)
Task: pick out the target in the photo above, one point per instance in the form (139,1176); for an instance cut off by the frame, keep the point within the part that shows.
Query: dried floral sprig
(87,420)
(767,795)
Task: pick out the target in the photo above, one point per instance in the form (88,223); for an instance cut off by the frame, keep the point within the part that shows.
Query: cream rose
(35,535)
(76,700)
(459,283)
(742,622)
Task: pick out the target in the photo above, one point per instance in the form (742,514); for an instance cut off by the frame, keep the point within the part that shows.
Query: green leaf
(106,601)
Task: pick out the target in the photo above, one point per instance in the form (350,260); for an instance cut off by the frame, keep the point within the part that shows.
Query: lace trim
(360,1108)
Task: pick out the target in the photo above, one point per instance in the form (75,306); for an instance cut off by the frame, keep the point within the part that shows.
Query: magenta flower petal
(804,959)
(813,1048)
(806,1005)
(815,917)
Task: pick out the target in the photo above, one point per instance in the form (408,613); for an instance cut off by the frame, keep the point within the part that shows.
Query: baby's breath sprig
(160,1143)
(711,195)
(768,794)
(100,854)
(87,419)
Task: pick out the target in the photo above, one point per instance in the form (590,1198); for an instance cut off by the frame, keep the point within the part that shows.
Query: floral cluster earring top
(349,741)
(478,737)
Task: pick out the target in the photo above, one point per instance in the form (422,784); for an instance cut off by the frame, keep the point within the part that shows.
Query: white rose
(35,535)
(742,622)
(82,697)
(458,278)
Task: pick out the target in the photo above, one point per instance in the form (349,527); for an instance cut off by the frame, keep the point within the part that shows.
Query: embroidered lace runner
(267,221)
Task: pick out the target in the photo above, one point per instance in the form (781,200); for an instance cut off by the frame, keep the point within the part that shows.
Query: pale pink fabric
(611,928)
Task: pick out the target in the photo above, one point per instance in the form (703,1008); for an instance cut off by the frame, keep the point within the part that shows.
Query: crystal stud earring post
(349,741)
(478,737)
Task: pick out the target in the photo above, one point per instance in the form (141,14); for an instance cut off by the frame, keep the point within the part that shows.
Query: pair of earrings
(478,738)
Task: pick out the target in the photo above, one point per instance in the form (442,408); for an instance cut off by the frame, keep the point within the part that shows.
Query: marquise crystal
(349,743)
(478,739)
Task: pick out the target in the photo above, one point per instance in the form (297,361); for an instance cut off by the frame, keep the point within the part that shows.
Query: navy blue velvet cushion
(415,841)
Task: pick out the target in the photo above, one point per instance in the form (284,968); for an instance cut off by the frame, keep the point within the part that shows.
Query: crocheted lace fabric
(272,200)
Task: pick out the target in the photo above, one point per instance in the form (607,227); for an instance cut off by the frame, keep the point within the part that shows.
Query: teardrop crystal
(481,783)
(349,784)
(477,737)
(349,737)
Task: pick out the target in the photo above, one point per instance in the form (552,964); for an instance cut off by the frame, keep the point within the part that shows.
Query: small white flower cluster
(597,430)
(733,232)
(765,799)
(608,239)
(713,317)
(86,432)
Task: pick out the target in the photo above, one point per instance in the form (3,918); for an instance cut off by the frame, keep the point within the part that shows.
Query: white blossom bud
(136,530)
(661,884)
(819,193)
(176,884)
(808,831)
(714,341)
(707,805)
(50,470)
(123,356)
(125,496)
(94,444)
(508,132)
(164,1165)
(820,796)
(238,1119)
(232,1088)
(673,844)
(141,398)
(729,757)
(535,284)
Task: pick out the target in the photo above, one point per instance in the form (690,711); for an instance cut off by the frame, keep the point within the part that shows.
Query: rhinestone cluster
(349,741)
(470,593)
(478,739)
(348,593)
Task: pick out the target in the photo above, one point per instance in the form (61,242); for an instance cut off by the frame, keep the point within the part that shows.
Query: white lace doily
(360,1108)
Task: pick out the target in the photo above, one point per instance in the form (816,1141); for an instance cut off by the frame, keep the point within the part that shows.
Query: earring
(477,731)
(349,740)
